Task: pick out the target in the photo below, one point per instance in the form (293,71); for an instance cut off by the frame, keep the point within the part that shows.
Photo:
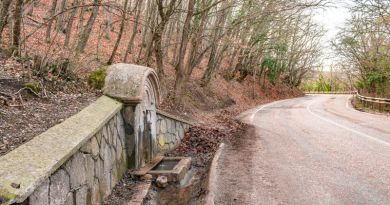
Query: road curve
(310,150)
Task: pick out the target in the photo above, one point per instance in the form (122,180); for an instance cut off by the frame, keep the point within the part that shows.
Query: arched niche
(138,88)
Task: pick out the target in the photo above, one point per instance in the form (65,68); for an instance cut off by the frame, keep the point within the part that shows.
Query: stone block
(112,129)
(99,170)
(59,187)
(163,126)
(103,146)
(90,170)
(95,193)
(173,126)
(114,176)
(114,139)
(105,134)
(119,151)
(81,195)
(76,169)
(181,132)
(158,124)
(69,199)
(113,156)
(86,148)
(162,181)
(120,126)
(105,185)
(107,159)
(168,121)
(41,195)
(94,147)
(99,137)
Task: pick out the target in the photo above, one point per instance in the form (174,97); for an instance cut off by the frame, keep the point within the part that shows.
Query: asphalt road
(309,150)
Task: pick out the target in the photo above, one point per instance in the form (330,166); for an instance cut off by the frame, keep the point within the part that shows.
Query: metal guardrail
(333,92)
(381,104)
(373,99)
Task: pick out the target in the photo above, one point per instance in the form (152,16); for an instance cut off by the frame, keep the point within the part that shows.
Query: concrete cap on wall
(126,83)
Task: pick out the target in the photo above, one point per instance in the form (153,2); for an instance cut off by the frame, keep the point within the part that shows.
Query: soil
(123,191)
(25,116)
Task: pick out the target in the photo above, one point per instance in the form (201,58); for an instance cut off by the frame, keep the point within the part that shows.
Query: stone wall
(91,173)
(170,131)
(76,162)
(80,160)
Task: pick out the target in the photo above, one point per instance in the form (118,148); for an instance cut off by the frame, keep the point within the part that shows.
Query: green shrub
(96,78)
(33,86)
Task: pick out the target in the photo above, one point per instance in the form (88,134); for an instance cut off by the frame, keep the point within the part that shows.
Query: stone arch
(138,88)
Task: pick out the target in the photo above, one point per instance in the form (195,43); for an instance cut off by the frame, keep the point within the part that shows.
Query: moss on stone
(6,196)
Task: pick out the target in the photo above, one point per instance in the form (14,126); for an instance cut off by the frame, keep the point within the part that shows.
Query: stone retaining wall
(76,162)
(91,173)
(170,131)
(80,160)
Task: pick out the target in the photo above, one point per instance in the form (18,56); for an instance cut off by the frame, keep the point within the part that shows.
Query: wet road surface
(309,150)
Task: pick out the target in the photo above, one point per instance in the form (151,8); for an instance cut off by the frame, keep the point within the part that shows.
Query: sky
(332,18)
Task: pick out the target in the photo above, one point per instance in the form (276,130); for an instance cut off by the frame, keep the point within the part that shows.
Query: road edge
(213,175)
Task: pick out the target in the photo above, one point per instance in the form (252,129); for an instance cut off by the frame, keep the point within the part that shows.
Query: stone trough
(174,168)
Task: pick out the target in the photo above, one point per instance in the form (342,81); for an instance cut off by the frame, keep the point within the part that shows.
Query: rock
(107,158)
(76,169)
(99,137)
(114,176)
(99,172)
(181,132)
(119,150)
(81,196)
(59,187)
(162,181)
(169,125)
(105,185)
(105,134)
(41,195)
(163,126)
(95,198)
(86,148)
(69,199)
(94,147)
(90,169)
(121,129)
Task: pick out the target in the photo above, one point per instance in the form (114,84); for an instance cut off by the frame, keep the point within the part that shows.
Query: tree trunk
(70,23)
(151,14)
(180,71)
(18,14)
(80,27)
(61,18)
(123,21)
(87,30)
(130,45)
(49,18)
(4,14)
(108,22)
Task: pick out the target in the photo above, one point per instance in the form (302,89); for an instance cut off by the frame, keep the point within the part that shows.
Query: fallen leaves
(202,141)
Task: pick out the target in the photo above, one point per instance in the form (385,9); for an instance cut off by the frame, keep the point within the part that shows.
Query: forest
(364,46)
(271,41)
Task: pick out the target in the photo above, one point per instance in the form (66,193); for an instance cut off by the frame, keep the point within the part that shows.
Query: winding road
(311,150)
